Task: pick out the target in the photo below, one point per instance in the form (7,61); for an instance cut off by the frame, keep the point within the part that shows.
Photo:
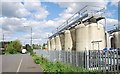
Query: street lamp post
(31,35)
(2,37)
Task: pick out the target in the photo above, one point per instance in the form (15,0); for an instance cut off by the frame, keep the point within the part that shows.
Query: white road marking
(19,65)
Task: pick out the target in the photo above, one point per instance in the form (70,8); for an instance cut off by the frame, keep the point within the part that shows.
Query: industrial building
(83,32)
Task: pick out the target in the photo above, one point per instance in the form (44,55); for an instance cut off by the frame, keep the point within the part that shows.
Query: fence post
(92,59)
(108,55)
(49,54)
(63,56)
(102,59)
(105,61)
(98,60)
(87,59)
(117,60)
(114,61)
(96,63)
(76,58)
(111,58)
(70,57)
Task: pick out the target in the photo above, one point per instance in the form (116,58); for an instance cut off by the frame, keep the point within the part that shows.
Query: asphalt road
(19,63)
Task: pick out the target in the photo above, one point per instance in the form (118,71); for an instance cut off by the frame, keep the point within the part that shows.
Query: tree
(43,47)
(13,47)
(17,45)
(28,48)
(34,47)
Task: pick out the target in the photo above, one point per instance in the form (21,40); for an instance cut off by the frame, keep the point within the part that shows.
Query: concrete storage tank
(81,37)
(73,34)
(48,44)
(117,39)
(62,40)
(96,36)
(68,40)
(52,42)
(108,40)
(57,43)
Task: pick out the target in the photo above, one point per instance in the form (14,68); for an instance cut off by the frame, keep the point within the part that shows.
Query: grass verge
(59,67)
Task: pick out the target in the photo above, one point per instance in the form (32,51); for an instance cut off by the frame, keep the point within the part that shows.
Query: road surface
(19,63)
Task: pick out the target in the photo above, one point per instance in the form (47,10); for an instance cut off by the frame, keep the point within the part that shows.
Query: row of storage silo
(81,37)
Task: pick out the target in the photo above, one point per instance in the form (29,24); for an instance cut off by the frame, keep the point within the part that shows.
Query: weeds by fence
(106,61)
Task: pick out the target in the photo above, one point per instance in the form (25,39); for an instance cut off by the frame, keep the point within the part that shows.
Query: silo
(117,39)
(108,40)
(81,37)
(57,43)
(68,40)
(73,35)
(48,44)
(62,40)
(52,42)
(96,36)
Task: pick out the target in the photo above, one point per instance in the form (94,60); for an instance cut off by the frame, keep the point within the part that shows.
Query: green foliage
(29,49)
(36,46)
(43,47)
(17,45)
(13,47)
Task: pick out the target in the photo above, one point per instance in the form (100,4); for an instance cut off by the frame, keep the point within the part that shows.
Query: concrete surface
(19,63)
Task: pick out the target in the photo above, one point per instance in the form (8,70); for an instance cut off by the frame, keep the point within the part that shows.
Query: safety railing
(86,12)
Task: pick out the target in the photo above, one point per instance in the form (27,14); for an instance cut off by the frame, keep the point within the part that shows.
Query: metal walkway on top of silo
(83,15)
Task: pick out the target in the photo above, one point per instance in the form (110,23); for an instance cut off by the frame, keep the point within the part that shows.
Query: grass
(59,67)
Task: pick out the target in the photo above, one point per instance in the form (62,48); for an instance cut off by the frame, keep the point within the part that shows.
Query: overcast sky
(44,17)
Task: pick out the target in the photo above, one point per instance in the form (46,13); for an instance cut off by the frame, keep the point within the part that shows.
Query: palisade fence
(101,60)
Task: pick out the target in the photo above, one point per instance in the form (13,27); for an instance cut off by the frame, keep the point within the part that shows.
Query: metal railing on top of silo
(83,14)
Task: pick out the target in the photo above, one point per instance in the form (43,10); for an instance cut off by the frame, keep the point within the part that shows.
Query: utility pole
(3,41)
(2,37)
(31,37)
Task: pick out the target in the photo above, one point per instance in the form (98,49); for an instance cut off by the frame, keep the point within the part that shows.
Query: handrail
(79,14)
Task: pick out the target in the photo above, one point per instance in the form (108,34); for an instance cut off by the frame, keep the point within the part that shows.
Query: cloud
(15,19)
(28,9)
(112,21)
(14,9)
(109,21)
(115,2)
(12,25)
(15,27)
(39,11)
(71,8)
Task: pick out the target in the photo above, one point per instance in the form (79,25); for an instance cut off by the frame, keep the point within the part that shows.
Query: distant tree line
(2,44)
(36,46)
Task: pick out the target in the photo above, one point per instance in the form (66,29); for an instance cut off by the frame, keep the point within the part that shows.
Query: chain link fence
(102,60)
